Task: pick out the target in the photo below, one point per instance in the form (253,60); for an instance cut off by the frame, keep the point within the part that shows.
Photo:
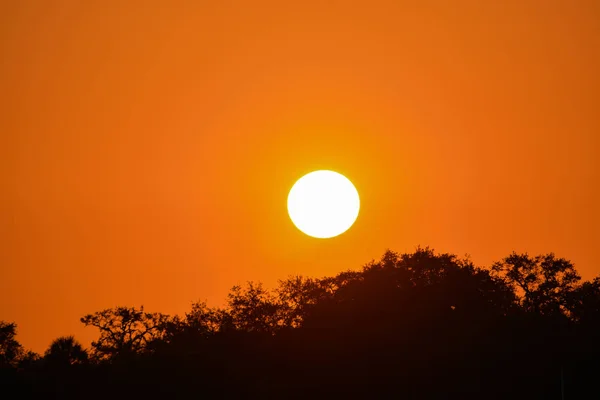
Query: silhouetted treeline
(413,326)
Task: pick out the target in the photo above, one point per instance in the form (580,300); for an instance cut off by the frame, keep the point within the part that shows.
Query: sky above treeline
(147,147)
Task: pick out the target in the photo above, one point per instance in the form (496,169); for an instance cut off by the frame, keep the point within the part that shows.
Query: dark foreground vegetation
(409,326)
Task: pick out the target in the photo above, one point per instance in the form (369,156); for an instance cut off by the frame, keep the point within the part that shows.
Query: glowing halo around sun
(323,204)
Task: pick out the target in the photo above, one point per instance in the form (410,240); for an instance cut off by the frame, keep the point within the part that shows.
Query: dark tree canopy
(10,349)
(125,331)
(543,282)
(65,351)
(416,325)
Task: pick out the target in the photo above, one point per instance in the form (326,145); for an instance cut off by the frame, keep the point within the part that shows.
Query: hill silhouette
(408,326)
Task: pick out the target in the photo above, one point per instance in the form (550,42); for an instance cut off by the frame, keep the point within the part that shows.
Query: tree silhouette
(11,350)
(125,331)
(298,295)
(189,334)
(413,325)
(543,282)
(65,351)
(584,302)
(254,309)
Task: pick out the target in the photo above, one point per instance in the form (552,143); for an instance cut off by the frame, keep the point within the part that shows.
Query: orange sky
(147,148)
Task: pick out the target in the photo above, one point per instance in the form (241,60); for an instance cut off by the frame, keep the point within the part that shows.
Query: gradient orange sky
(147,147)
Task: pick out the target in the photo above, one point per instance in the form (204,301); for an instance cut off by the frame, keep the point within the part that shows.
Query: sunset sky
(147,148)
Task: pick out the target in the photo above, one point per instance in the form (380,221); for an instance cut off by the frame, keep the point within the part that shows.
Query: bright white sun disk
(323,204)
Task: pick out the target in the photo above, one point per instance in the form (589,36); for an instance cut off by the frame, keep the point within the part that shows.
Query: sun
(323,204)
